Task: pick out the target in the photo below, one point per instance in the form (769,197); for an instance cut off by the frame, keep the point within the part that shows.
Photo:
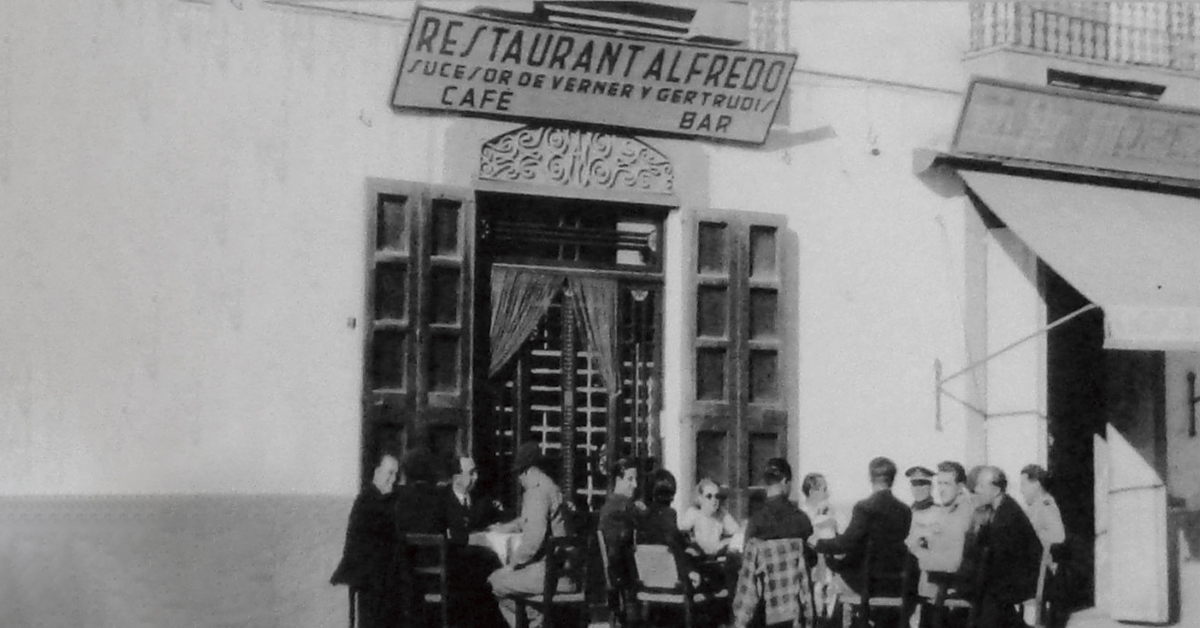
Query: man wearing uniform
(939,545)
(924,515)
(1043,511)
(1047,523)
(920,481)
(541,518)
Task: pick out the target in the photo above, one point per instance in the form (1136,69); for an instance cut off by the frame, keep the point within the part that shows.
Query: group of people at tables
(973,541)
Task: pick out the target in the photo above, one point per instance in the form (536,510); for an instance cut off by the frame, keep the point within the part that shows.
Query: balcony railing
(1148,34)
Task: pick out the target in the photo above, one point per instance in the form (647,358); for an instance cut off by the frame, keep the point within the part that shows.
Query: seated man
(1005,550)
(618,518)
(367,564)
(778,518)
(938,543)
(469,565)
(1043,510)
(1048,524)
(880,520)
(541,518)
(773,585)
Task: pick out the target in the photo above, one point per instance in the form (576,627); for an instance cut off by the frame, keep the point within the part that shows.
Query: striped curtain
(595,302)
(520,299)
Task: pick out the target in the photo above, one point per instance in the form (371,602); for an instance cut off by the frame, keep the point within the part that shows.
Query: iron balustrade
(1146,34)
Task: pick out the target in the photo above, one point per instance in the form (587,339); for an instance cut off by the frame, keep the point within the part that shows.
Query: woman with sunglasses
(709,526)
(710,529)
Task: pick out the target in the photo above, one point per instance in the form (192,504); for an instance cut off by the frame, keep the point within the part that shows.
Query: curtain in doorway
(520,299)
(595,302)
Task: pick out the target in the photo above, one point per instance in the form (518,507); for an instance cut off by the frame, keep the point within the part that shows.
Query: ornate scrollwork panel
(577,159)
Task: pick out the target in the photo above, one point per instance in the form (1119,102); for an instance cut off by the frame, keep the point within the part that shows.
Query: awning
(1136,254)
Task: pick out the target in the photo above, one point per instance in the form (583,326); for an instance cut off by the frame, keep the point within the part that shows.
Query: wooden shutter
(418,374)
(741,328)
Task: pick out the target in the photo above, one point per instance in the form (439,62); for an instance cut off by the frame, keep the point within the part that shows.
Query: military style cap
(919,474)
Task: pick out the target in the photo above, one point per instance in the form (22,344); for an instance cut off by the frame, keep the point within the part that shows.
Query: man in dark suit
(1002,552)
(368,561)
(464,512)
(469,565)
(882,521)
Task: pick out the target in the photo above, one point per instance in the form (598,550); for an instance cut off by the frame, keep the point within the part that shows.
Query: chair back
(656,567)
(566,559)
(604,558)
(891,584)
(424,569)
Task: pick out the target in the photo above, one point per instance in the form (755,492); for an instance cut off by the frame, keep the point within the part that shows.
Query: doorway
(1108,464)
(569,340)
(1075,409)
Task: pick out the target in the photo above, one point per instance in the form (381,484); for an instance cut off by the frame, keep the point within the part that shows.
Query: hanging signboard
(1078,129)
(488,66)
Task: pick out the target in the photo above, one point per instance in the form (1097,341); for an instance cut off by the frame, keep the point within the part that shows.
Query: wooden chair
(663,579)
(614,598)
(437,595)
(1039,601)
(859,604)
(944,602)
(566,558)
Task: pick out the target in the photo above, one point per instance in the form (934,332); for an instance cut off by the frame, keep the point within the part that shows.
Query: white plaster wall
(1016,379)
(182,227)
(182,185)
(881,254)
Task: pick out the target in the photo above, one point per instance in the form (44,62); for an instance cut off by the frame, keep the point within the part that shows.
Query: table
(503,543)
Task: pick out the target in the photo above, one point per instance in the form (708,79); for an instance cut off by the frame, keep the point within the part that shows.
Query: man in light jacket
(541,518)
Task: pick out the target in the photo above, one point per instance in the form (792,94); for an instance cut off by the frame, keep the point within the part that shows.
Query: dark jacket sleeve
(369,546)
(1015,554)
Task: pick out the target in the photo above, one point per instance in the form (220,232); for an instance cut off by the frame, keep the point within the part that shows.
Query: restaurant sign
(488,66)
(1076,129)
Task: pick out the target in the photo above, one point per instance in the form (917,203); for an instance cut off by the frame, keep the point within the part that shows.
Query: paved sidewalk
(1189,587)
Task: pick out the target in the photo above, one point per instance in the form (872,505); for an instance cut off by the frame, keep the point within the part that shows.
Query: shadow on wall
(1187,524)
(126,562)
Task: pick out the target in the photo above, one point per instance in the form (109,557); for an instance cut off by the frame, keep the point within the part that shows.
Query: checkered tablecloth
(774,573)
